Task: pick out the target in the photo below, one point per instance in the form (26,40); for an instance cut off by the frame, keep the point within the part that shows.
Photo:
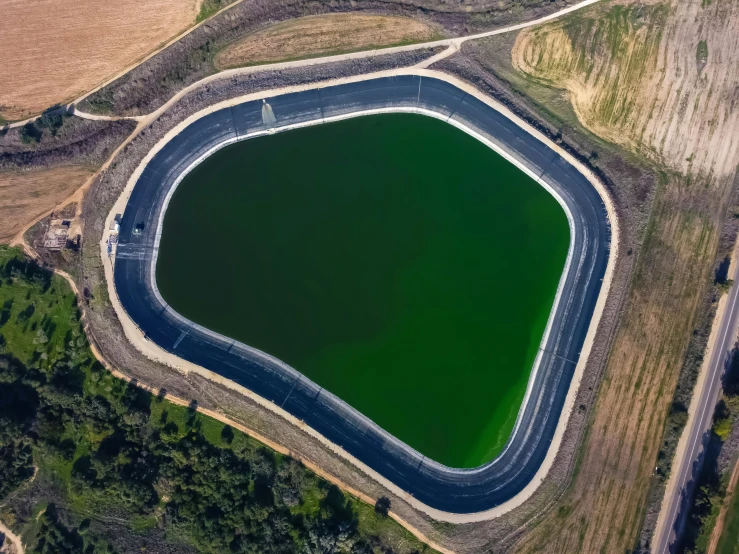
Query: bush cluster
(133,454)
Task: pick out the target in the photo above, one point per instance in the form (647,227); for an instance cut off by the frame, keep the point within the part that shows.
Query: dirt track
(15,546)
(721,519)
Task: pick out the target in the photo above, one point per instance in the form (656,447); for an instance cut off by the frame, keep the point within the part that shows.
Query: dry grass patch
(24,196)
(603,509)
(321,35)
(55,50)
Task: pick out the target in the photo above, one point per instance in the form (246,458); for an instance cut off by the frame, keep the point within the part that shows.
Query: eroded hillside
(658,78)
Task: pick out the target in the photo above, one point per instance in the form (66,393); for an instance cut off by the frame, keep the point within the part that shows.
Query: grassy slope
(52,331)
(643,76)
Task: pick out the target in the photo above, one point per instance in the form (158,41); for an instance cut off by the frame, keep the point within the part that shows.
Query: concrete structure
(440,489)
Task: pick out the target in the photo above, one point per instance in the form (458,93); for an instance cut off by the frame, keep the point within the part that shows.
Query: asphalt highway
(444,488)
(686,467)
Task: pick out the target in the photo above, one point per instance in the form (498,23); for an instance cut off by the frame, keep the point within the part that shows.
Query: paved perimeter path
(686,465)
(452,44)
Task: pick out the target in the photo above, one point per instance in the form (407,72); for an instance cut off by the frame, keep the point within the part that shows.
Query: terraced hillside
(658,78)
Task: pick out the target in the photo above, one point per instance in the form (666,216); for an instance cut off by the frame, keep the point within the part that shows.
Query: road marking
(291,390)
(179,340)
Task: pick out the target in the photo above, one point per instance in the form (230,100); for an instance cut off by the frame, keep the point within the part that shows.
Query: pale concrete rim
(154,352)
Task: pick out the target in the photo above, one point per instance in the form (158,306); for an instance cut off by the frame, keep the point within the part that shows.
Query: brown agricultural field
(55,50)
(26,195)
(322,35)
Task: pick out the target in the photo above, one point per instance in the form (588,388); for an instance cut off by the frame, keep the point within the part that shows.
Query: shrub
(30,133)
(382,506)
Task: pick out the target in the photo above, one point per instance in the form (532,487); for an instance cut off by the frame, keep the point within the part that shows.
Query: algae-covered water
(392,259)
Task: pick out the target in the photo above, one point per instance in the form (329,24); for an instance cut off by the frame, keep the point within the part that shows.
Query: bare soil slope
(26,195)
(660,79)
(54,50)
(322,35)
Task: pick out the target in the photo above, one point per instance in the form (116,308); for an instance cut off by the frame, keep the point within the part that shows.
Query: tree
(227,434)
(382,506)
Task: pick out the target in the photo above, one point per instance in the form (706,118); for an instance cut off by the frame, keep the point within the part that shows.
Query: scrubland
(90,462)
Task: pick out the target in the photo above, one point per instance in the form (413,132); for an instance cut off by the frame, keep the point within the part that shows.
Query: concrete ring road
(444,489)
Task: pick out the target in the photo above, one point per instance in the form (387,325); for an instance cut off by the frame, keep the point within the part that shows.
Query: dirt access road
(15,541)
(57,54)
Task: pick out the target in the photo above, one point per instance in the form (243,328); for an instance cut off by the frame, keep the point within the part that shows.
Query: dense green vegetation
(210,7)
(701,53)
(80,448)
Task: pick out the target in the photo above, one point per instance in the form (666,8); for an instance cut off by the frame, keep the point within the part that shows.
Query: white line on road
(700,416)
(453,44)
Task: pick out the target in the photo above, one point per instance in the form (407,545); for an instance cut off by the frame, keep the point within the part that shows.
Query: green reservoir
(392,259)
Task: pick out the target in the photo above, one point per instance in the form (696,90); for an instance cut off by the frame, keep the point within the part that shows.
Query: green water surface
(392,259)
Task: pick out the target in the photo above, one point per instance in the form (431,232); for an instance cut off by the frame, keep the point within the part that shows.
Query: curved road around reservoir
(444,489)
